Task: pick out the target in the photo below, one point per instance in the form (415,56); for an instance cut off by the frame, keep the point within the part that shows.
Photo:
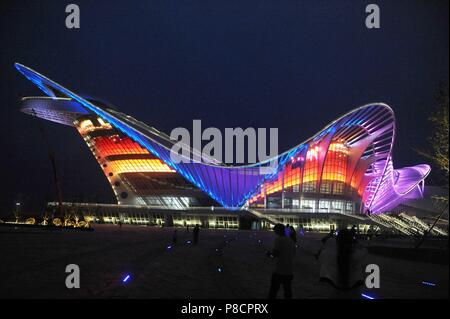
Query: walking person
(293,234)
(175,236)
(342,262)
(324,240)
(354,233)
(195,233)
(283,251)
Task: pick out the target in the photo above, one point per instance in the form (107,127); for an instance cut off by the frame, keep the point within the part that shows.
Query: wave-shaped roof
(368,131)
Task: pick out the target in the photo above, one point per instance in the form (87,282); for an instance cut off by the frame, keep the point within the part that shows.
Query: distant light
(188,242)
(219,269)
(169,247)
(367,296)
(427,283)
(126,278)
(217,249)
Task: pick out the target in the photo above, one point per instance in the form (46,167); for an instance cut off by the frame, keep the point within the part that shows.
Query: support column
(265,198)
(282,189)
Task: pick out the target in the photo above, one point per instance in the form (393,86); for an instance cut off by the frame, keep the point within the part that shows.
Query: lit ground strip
(127,277)
(367,296)
(427,283)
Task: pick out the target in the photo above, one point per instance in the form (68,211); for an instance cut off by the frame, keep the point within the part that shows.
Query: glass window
(324,205)
(309,187)
(325,187)
(338,188)
(349,207)
(309,204)
(337,205)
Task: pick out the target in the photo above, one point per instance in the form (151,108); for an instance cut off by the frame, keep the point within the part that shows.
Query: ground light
(126,278)
(427,283)
(366,296)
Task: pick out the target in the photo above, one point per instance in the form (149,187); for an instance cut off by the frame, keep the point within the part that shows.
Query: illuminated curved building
(345,168)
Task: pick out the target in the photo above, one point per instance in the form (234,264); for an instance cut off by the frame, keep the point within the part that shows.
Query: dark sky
(295,65)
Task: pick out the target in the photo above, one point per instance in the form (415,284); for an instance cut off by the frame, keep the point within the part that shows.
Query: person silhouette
(323,241)
(175,236)
(353,232)
(293,234)
(344,242)
(195,234)
(287,230)
(341,262)
(284,251)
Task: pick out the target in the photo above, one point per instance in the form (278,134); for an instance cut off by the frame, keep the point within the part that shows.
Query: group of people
(195,234)
(341,261)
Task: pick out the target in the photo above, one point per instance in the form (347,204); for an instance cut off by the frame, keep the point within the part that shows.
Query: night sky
(295,65)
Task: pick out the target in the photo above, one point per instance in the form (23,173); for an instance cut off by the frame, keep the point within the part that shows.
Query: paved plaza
(225,264)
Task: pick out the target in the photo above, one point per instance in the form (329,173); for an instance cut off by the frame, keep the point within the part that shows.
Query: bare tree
(438,150)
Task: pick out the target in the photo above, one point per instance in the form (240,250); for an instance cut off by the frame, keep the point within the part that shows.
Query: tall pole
(425,234)
(57,184)
(51,156)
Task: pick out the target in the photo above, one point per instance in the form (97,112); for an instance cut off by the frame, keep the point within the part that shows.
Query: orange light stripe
(139,165)
(114,145)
